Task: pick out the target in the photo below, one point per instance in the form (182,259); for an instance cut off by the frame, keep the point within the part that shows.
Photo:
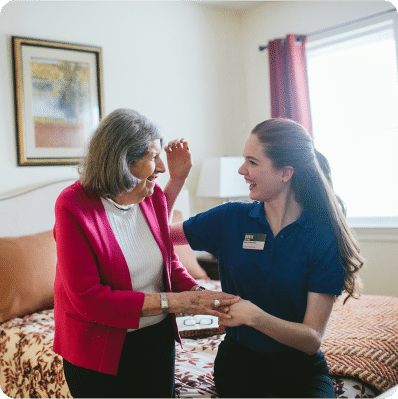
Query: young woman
(117,276)
(287,254)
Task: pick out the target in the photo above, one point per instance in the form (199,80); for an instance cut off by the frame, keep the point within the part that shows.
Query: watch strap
(164,303)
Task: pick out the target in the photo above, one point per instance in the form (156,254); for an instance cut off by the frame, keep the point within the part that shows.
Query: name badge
(254,241)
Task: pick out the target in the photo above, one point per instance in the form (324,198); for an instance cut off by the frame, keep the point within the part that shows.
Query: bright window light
(354,105)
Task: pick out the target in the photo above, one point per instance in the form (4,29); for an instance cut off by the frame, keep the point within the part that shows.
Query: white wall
(380,249)
(178,63)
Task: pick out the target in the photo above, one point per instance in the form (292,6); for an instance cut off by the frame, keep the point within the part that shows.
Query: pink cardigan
(94,304)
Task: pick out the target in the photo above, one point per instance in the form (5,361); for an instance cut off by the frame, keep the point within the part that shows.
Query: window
(353,89)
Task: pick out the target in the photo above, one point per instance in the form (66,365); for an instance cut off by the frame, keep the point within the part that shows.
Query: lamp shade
(219,178)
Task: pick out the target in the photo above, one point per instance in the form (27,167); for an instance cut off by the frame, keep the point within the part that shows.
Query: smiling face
(147,169)
(266,182)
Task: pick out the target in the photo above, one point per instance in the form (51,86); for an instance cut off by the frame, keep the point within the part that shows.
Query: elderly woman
(118,281)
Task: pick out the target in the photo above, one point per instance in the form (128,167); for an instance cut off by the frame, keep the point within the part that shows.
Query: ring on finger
(216,303)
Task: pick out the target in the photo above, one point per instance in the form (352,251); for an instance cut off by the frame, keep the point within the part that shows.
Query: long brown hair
(288,143)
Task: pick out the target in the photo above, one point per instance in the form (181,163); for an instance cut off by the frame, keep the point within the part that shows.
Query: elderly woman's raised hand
(215,303)
(179,159)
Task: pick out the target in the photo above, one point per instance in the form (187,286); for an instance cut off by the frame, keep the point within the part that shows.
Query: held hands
(240,313)
(179,159)
(214,303)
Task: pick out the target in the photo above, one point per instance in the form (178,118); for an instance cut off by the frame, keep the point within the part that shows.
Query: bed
(361,343)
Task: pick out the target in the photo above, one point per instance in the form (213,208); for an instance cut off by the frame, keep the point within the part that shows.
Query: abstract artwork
(58,97)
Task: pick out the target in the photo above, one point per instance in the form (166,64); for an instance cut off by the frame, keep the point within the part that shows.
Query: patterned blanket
(361,340)
(361,346)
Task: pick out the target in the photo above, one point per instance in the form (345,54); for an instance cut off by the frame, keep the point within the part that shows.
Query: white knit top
(141,251)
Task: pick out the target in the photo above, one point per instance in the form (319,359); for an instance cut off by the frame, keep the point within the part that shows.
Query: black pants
(146,368)
(240,372)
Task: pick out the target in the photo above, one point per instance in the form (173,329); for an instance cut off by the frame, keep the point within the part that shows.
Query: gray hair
(121,139)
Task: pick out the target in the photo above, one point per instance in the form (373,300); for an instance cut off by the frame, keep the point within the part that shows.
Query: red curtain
(288,78)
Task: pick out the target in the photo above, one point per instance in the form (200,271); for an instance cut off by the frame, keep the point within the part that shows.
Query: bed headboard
(31,210)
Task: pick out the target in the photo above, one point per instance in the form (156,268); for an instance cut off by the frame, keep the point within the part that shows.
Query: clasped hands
(238,313)
(231,310)
(215,303)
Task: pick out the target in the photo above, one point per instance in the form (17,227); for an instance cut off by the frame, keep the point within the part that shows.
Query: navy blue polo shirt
(303,257)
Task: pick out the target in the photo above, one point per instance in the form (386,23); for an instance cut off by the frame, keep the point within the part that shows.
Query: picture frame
(58,99)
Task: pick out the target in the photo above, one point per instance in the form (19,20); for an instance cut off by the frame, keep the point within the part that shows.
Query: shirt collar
(258,212)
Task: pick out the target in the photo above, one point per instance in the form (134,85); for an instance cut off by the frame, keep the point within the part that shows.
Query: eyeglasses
(206,321)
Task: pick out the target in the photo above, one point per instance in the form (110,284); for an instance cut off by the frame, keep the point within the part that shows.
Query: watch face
(164,303)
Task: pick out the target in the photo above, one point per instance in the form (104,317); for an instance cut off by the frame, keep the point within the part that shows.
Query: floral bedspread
(30,369)
(28,366)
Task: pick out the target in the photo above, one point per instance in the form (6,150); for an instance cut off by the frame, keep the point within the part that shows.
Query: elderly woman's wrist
(173,302)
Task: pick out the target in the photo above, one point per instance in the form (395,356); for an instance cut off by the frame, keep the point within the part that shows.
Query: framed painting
(58,99)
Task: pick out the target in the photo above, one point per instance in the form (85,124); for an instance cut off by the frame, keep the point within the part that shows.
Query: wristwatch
(199,288)
(164,303)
